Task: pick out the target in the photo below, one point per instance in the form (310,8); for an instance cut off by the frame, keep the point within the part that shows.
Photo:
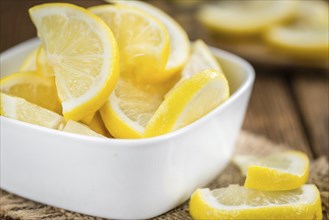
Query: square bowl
(117,178)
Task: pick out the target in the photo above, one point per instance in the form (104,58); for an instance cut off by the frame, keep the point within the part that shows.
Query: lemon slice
(29,63)
(42,63)
(200,59)
(130,107)
(306,36)
(143,42)
(97,125)
(179,42)
(87,120)
(245,17)
(20,109)
(83,53)
(279,171)
(190,100)
(79,128)
(236,202)
(34,88)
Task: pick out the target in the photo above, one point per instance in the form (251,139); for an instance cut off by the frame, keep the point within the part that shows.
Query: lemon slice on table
(245,17)
(307,35)
(237,202)
(130,107)
(179,42)
(42,63)
(279,171)
(83,53)
(29,63)
(188,101)
(79,128)
(143,42)
(34,88)
(22,110)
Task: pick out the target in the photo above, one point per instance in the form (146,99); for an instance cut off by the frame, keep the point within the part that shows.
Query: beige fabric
(14,207)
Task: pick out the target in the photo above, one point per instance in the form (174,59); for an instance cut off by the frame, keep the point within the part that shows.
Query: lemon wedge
(130,107)
(34,88)
(306,36)
(97,125)
(245,17)
(42,63)
(87,120)
(143,42)
(179,42)
(188,101)
(29,63)
(22,110)
(237,202)
(83,53)
(79,128)
(201,59)
(279,171)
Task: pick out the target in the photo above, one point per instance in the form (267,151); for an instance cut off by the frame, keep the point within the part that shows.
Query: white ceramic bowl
(121,179)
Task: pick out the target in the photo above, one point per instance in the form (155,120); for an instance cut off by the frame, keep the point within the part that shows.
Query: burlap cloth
(14,207)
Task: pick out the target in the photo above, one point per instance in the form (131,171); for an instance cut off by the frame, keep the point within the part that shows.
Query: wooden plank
(271,113)
(312,97)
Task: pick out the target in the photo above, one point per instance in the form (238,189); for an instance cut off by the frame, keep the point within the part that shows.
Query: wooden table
(288,105)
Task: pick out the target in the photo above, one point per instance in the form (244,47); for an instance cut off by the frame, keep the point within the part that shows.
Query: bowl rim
(250,76)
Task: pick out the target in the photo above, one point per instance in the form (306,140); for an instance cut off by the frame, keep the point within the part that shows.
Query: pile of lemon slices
(299,28)
(122,70)
(274,189)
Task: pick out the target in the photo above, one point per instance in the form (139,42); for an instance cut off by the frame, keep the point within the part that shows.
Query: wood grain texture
(312,97)
(271,113)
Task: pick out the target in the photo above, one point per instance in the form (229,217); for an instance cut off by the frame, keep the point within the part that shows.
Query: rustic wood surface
(288,105)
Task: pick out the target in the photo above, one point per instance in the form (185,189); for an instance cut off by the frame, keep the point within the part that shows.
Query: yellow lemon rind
(92,105)
(116,125)
(271,179)
(177,100)
(201,209)
(155,76)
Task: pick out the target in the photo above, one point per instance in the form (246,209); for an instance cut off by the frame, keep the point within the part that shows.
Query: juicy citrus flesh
(130,107)
(79,128)
(245,18)
(83,53)
(22,110)
(188,101)
(201,59)
(237,202)
(143,42)
(42,62)
(179,42)
(34,88)
(280,171)
(29,63)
